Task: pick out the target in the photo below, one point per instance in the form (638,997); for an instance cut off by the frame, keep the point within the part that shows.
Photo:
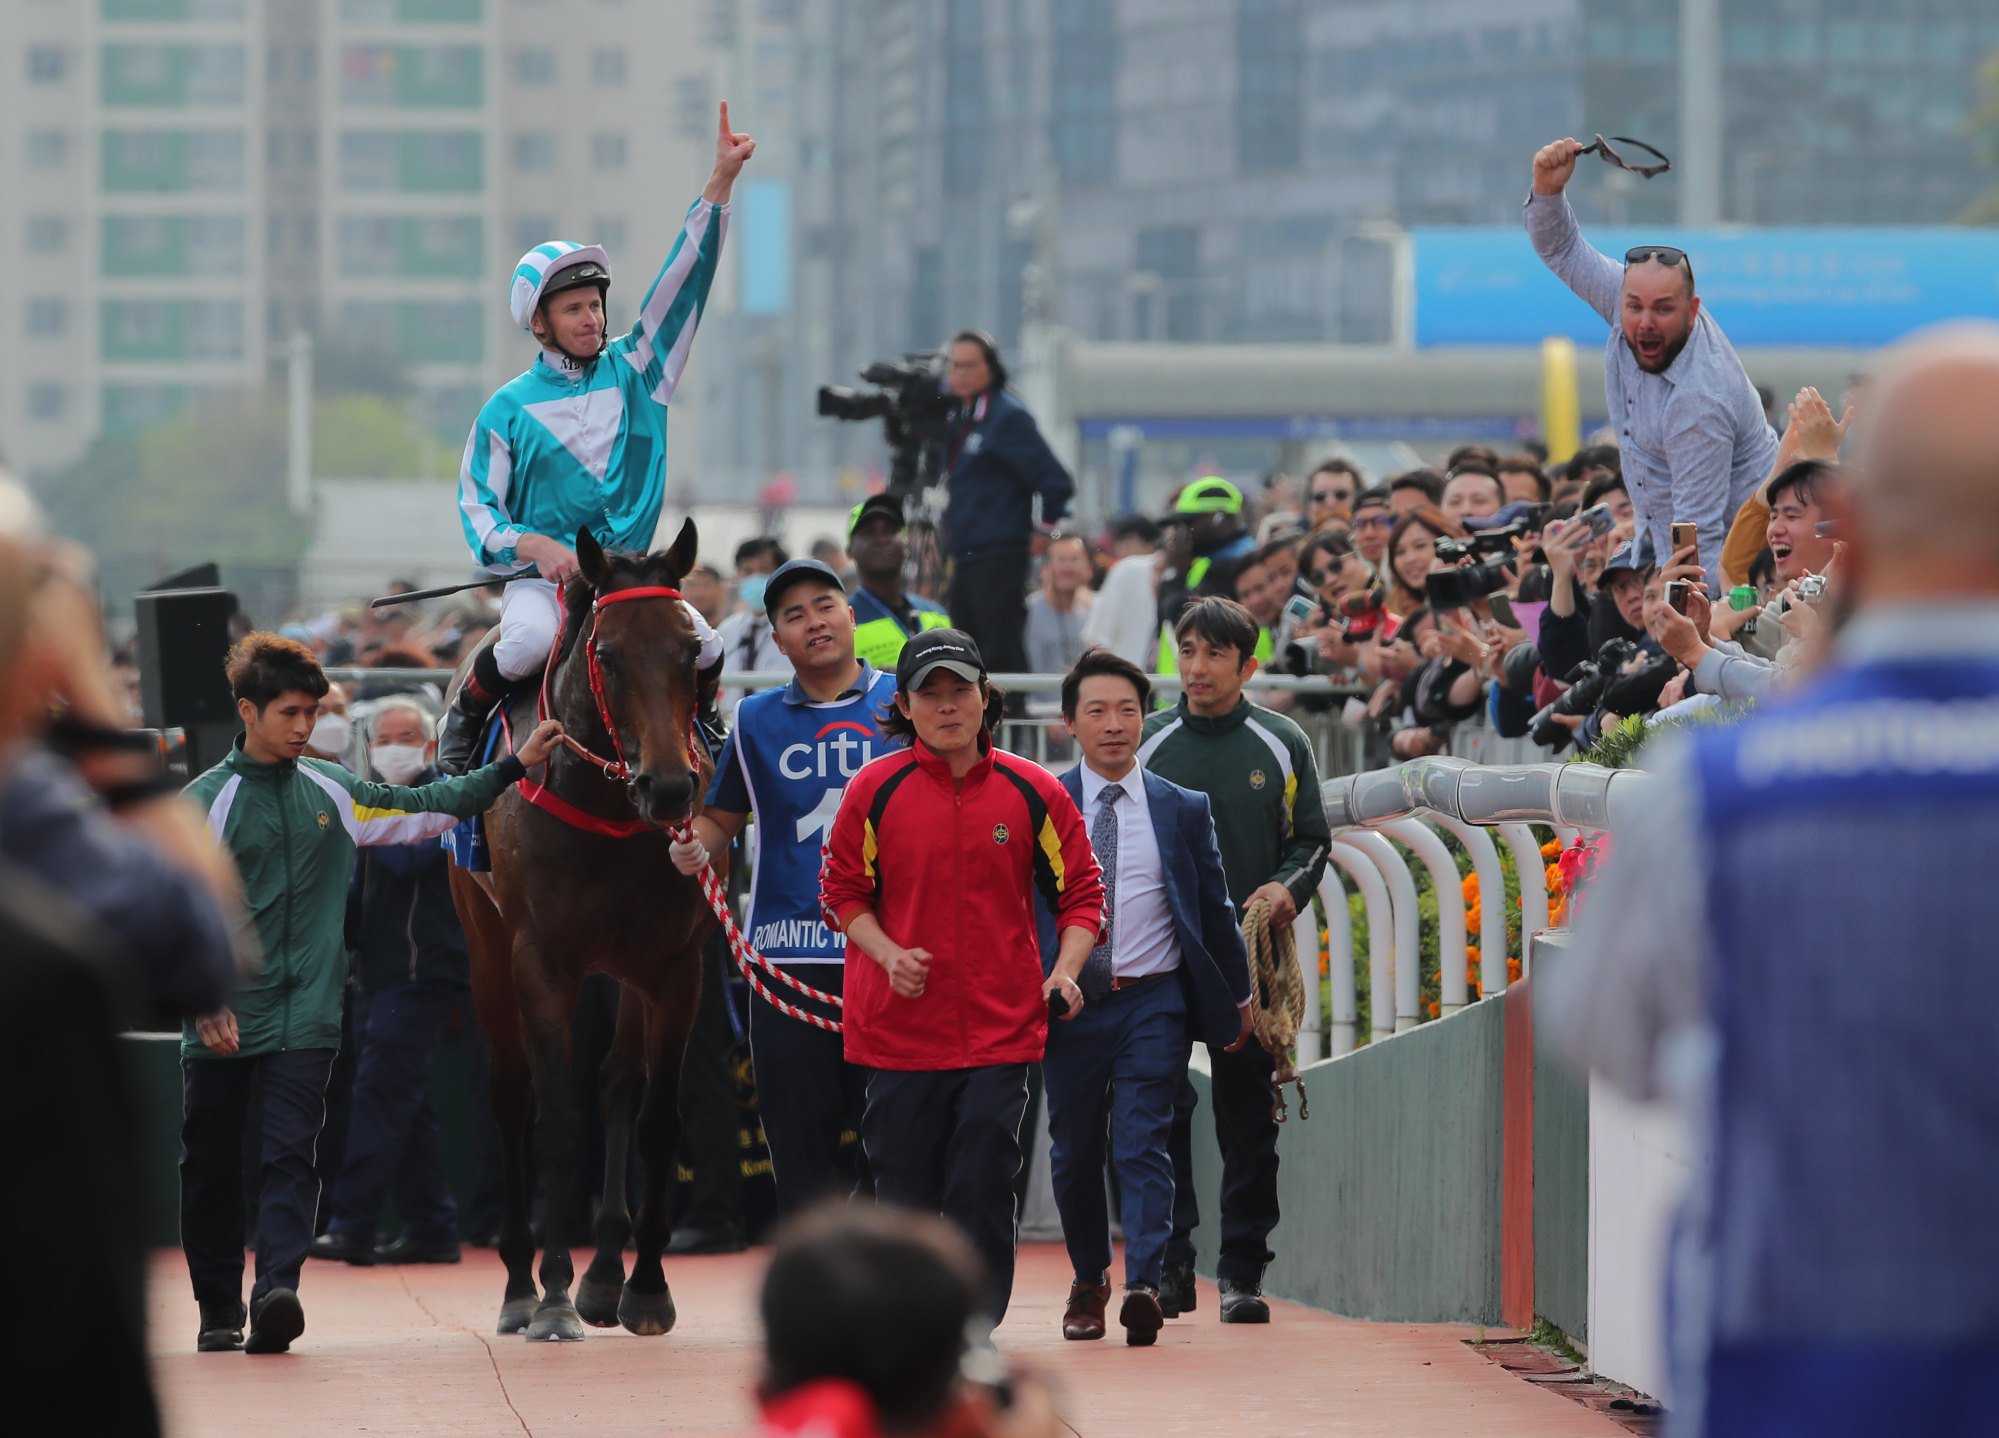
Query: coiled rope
(1277,1001)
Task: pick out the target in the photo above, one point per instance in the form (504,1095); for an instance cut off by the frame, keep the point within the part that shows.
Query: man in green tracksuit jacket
(292,825)
(1257,769)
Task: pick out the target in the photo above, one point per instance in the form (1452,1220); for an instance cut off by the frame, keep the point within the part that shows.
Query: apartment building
(194,181)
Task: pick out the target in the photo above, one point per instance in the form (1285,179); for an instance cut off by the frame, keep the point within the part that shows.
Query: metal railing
(1037,733)
(1415,805)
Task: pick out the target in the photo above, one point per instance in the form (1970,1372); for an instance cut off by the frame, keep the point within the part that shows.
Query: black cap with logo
(791,573)
(951,649)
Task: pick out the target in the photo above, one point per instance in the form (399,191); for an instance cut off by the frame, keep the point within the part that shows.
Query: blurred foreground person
(1836,1271)
(865,1316)
(71,1185)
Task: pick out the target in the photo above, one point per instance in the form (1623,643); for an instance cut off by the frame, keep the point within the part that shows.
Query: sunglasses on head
(1610,155)
(1664,254)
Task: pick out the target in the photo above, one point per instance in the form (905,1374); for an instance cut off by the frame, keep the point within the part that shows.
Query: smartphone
(1299,610)
(1677,591)
(1502,610)
(1687,535)
(1599,519)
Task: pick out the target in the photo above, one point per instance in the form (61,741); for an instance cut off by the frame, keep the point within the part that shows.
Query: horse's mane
(628,569)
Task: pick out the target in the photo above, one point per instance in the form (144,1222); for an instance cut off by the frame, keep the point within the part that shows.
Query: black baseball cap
(790,573)
(951,649)
(887,505)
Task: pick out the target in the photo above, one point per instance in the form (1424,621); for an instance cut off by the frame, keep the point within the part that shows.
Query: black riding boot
(483,688)
(708,708)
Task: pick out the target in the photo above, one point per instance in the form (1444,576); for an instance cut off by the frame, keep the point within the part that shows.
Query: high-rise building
(192,182)
(1240,170)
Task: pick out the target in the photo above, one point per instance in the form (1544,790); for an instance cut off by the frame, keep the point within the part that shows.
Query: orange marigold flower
(1469,888)
(1473,917)
(1435,1008)
(1552,849)
(1513,971)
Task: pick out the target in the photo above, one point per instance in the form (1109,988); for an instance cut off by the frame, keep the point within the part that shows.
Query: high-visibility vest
(880,641)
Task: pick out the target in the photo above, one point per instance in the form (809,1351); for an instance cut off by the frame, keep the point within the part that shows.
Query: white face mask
(398,763)
(330,733)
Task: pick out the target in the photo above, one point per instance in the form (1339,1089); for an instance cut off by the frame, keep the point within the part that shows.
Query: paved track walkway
(409,1351)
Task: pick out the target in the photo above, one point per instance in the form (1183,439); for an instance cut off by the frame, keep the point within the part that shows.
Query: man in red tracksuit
(930,872)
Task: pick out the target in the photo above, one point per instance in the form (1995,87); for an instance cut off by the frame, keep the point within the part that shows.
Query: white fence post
(1345,999)
(1491,899)
(1533,871)
(1452,986)
(1408,923)
(1305,939)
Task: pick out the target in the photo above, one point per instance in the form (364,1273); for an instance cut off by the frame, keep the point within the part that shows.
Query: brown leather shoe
(1141,1315)
(1084,1317)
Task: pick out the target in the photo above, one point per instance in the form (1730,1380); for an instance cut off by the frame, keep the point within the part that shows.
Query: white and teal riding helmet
(551,268)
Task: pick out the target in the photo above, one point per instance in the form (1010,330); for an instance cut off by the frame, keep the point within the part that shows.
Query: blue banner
(1841,288)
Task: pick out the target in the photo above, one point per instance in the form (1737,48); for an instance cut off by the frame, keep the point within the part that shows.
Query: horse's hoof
(647,1314)
(597,1303)
(517,1313)
(556,1324)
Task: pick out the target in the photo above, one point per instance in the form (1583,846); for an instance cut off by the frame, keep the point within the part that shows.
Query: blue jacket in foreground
(997,463)
(1214,965)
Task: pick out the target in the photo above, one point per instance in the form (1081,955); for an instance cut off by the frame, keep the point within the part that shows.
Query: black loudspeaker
(183,644)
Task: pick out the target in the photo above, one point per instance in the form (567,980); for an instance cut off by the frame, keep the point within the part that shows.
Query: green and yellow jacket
(1257,769)
(293,828)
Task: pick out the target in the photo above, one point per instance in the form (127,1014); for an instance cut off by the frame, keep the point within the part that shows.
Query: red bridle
(615,768)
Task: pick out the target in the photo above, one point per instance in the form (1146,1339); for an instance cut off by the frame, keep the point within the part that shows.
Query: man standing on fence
(1693,439)
(1257,769)
(788,761)
(1838,1270)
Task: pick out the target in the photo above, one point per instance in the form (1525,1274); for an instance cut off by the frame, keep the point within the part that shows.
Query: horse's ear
(684,552)
(590,561)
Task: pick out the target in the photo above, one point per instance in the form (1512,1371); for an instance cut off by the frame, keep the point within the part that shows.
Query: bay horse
(581,884)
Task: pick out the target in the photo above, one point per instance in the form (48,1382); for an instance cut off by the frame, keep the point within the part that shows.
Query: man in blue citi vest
(885,614)
(1837,1270)
(788,761)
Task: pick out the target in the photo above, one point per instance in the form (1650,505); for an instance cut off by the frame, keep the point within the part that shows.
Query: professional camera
(910,400)
(1586,682)
(1456,588)
(1361,613)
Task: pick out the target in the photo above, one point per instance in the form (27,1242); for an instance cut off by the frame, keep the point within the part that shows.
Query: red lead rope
(745,956)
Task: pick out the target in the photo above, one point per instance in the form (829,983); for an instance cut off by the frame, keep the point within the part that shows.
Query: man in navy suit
(1172,965)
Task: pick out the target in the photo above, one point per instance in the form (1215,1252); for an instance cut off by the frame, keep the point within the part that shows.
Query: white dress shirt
(1142,938)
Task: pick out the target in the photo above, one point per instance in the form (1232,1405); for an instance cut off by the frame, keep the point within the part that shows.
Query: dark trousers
(1133,1043)
(988,600)
(214,1094)
(709,1130)
(809,1097)
(948,1141)
(393,1139)
(1247,1135)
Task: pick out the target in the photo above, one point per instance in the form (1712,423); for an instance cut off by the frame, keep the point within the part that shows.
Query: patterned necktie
(1095,980)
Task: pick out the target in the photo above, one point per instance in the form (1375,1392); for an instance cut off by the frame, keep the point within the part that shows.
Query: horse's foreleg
(548,1011)
(510,1089)
(647,1305)
(619,1085)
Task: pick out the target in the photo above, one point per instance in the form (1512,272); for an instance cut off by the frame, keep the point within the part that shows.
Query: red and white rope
(746,956)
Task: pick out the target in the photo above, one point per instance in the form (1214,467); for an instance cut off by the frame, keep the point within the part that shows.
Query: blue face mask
(750,589)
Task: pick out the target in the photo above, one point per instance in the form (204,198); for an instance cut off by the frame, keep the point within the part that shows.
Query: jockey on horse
(579,441)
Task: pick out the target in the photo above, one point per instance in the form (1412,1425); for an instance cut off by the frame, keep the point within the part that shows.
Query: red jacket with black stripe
(953,869)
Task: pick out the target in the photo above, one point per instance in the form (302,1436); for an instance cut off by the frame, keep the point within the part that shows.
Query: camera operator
(996,464)
(1605,642)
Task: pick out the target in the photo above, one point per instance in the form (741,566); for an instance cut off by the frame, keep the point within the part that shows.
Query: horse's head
(631,671)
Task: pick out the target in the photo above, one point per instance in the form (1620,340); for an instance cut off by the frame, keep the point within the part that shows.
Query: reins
(616,768)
